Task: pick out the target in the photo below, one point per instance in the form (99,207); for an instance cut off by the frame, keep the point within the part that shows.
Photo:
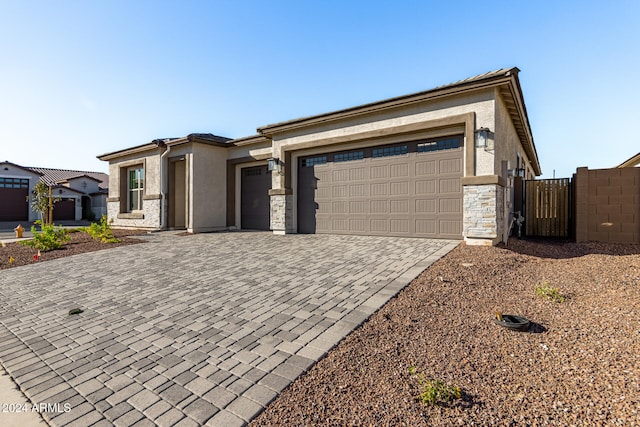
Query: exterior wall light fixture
(482,137)
(273,165)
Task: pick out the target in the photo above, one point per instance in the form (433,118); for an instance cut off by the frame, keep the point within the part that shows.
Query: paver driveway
(205,329)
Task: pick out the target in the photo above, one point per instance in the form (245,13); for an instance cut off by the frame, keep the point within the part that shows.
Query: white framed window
(135,188)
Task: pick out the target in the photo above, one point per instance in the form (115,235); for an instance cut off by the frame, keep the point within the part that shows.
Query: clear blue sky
(81,78)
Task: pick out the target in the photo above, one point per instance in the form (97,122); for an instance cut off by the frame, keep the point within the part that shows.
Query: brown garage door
(254,202)
(13,199)
(64,209)
(409,189)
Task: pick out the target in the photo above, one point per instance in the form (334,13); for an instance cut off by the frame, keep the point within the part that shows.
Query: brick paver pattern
(192,330)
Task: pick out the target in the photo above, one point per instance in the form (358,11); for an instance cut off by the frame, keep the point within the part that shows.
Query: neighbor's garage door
(254,204)
(14,205)
(64,209)
(409,189)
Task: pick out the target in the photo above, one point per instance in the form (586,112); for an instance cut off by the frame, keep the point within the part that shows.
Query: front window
(136,188)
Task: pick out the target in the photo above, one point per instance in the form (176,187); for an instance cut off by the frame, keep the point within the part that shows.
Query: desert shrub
(545,289)
(435,391)
(48,238)
(101,231)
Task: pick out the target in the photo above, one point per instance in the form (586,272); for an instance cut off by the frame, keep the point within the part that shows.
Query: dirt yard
(577,365)
(14,254)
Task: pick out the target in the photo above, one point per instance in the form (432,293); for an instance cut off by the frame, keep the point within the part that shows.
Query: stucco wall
(385,122)
(208,188)
(84,185)
(257,151)
(149,216)
(507,143)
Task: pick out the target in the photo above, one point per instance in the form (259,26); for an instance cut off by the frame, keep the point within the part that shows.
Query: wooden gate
(547,207)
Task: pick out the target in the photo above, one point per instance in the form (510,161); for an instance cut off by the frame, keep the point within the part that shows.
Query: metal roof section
(56,176)
(20,167)
(448,89)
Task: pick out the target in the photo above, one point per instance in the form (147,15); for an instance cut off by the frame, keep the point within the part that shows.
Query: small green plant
(48,238)
(101,231)
(435,391)
(545,289)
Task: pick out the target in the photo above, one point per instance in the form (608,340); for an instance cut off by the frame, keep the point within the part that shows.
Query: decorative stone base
(481,209)
(480,242)
(282,214)
(149,218)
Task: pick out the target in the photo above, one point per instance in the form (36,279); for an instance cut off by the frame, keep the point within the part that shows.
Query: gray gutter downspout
(161,143)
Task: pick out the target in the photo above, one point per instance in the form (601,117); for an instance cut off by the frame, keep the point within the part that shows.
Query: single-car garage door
(410,189)
(14,204)
(64,210)
(255,184)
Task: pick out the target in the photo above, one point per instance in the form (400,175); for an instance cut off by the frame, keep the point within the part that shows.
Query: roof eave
(249,140)
(128,151)
(448,90)
(518,113)
(22,167)
(632,162)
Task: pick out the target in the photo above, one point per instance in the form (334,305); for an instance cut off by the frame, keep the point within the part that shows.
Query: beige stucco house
(79,194)
(438,163)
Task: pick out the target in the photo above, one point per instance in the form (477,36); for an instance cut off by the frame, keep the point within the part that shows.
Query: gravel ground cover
(80,242)
(578,364)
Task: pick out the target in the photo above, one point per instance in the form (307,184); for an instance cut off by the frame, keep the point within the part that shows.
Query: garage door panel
(379,225)
(13,202)
(406,193)
(358,225)
(341,176)
(450,166)
(379,172)
(340,207)
(450,206)
(357,190)
(64,210)
(399,188)
(399,171)
(449,185)
(379,189)
(426,226)
(399,206)
(425,187)
(358,207)
(357,174)
(450,228)
(379,206)
(399,225)
(426,206)
(254,200)
(340,224)
(425,168)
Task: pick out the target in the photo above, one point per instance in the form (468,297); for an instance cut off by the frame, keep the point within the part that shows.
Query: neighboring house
(438,163)
(81,194)
(632,162)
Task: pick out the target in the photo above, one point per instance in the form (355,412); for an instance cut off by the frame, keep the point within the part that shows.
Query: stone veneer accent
(482,211)
(151,215)
(282,213)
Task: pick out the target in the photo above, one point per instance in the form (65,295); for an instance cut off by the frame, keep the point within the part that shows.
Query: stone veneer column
(281,211)
(482,213)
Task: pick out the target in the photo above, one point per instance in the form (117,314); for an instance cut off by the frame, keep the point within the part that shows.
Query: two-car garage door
(409,189)
(14,199)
